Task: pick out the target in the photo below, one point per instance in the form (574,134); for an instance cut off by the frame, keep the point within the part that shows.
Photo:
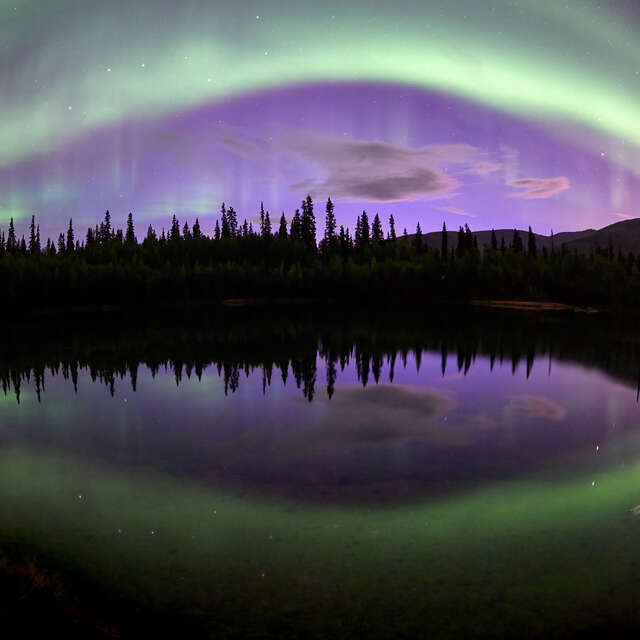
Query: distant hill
(623,236)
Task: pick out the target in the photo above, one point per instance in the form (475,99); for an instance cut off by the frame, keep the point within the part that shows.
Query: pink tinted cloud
(624,216)
(458,212)
(534,188)
(485,168)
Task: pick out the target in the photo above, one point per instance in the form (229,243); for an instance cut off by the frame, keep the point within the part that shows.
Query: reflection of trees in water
(238,346)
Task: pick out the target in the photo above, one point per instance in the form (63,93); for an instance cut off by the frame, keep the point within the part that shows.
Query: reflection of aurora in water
(528,554)
(490,485)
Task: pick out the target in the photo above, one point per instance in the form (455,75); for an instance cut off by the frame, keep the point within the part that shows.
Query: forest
(282,260)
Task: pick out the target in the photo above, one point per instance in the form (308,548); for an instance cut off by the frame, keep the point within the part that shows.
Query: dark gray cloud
(381,414)
(378,171)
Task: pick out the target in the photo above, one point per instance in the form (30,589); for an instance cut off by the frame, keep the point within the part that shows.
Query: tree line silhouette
(183,265)
(279,348)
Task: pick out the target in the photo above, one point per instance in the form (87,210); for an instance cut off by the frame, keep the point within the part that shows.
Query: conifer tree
(216,233)
(70,238)
(226,231)
(186,232)
(460,249)
(417,240)
(12,244)
(532,249)
(32,237)
(468,239)
(392,228)
(196,232)
(232,219)
(342,242)
(296,227)
(364,229)
(282,230)
(358,233)
(174,233)
(330,240)
(106,228)
(377,235)
(61,245)
(516,244)
(130,236)
(444,242)
(494,240)
(308,223)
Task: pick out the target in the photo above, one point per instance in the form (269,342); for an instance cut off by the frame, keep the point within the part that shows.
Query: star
(142,65)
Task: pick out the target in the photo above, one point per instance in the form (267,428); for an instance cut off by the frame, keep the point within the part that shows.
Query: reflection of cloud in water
(381,413)
(530,406)
(482,421)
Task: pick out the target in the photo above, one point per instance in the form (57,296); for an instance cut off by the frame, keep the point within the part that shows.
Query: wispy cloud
(378,171)
(458,212)
(624,216)
(532,406)
(484,168)
(534,188)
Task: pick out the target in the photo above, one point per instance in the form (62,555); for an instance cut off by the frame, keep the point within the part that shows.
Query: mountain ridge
(621,236)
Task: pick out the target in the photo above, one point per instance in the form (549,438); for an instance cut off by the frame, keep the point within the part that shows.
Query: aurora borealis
(498,113)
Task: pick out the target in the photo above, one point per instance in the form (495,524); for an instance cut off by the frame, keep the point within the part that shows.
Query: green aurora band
(540,60)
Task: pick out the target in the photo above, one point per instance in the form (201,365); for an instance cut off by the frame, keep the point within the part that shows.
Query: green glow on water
(523,552)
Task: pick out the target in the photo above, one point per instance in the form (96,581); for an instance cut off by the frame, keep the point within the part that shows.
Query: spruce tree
(196,232)
(232,219)
(216,233)
(377,235)
(70,237)
(282,231)
(32,237)
(330,240)
(308,223)
(265,231)
(106,227)
(174,233)
(532,249)
(494,240)
(12,243)
(130,236)
(468,239)
(460,249)
(444,242)
(392,228)
(296,227)
(61,245)
(417,240)
(364,229)
(516,244)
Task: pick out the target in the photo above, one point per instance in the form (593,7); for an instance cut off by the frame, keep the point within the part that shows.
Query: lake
(304,473)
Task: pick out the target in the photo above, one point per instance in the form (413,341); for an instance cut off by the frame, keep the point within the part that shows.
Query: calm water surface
(263,477)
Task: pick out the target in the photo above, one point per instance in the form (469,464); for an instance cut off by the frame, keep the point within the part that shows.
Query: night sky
(496,114)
